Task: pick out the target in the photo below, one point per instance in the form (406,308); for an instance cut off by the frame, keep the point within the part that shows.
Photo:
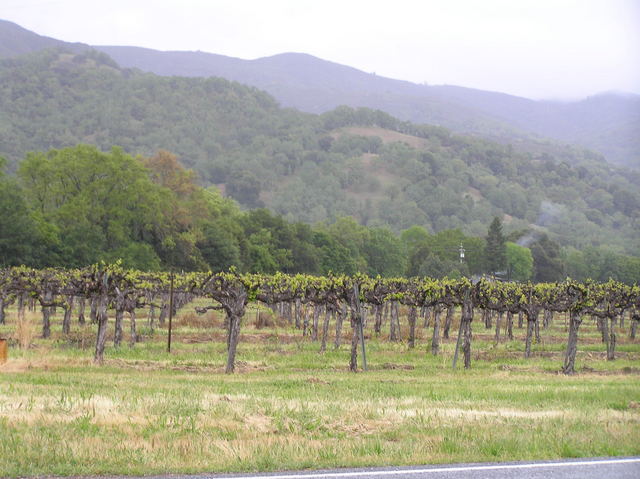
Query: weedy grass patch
(289,406)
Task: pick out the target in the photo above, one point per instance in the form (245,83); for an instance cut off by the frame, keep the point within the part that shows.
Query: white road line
(447,469)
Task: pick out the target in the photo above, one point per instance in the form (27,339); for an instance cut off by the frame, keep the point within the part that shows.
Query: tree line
(77,206)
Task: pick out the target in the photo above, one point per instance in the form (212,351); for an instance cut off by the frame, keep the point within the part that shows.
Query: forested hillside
(608,123)
(313,168)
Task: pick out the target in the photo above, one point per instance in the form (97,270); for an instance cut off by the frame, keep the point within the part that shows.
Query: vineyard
(310,304)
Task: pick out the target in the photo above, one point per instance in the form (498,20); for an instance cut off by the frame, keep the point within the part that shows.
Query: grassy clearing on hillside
(288,407)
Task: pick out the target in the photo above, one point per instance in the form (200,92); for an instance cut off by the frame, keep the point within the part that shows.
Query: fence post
(170,314)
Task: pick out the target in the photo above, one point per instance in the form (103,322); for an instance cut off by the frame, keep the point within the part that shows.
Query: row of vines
(106,287)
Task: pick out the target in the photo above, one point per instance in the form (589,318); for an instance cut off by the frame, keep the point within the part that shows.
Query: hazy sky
(532,48)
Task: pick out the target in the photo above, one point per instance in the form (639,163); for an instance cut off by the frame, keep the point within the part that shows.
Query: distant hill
(15,40)
(608,123)
(315,168)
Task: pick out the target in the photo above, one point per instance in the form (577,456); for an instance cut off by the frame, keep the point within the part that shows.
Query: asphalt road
(592,468)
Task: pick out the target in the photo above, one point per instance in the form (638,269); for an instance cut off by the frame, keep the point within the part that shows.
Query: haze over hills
(608,123)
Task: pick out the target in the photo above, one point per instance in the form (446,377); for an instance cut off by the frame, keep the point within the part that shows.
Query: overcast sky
(532,48)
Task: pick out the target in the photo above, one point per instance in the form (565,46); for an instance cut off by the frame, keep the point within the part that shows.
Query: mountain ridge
(607,123)
(315,85)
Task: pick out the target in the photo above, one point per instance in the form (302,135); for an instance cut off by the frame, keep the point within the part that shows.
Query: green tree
(99,202)
(385,253)
(412,237)
(333,257)
(547,262)
(352,236)
(20,238)
(436,267)
(219,246)
(245,188)
(495,249)
(519,262)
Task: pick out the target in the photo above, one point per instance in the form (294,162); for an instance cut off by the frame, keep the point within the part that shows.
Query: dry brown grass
(387,136)
(191,319)
(26,329)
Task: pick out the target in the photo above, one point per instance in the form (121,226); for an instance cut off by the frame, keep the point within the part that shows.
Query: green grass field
(289,407)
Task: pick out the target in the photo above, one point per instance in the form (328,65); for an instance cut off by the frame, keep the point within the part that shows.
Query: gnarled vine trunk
(93,314)
(532,319)
(412,326)
(101,303)
(466,318)
(117,336)
(325,328)
(426,315)
(340,315)
(486,318)
(46,314)
(448,321)
(610,325)
(377,326)
(151,316)
(81,305)
(133,338)
(498,324)
(298,308)
(572,344)
(435,340)
(68,310)
(635,319)
(355,340)
(394,321)
(232,342)
(317,310)
(2,313)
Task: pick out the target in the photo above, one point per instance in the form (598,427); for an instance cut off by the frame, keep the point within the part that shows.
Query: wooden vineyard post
(170,314)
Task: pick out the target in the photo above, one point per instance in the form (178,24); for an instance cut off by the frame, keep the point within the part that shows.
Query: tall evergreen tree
(496,250)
